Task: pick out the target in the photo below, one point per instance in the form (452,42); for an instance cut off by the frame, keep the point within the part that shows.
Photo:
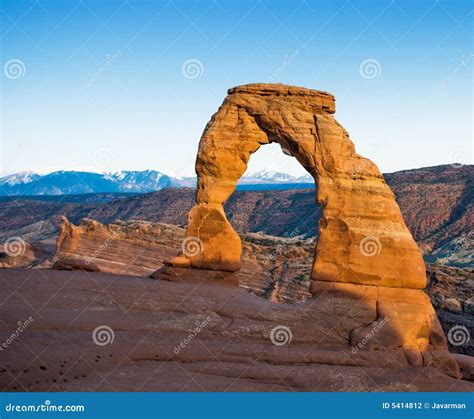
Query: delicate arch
(362,236)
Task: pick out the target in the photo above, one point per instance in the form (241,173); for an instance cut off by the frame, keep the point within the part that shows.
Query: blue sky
(100,85)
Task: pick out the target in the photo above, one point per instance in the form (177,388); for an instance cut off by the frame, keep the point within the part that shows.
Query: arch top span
(362,238)
(317,98)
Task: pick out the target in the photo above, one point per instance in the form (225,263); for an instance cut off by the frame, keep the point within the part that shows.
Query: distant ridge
(72,182)
(76,182)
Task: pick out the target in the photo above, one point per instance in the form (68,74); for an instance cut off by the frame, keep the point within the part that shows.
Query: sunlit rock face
(362,236)
(364,254)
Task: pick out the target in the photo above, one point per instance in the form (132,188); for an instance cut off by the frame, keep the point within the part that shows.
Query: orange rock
(120,248)
(362,236)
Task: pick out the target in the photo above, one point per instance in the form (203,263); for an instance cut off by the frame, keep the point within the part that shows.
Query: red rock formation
(121,248)
(277,269)
(194,336)
(362,236)
(274,268)
(364,248)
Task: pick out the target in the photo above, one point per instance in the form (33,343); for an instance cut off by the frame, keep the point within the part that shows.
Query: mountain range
(73,182)
(436,202)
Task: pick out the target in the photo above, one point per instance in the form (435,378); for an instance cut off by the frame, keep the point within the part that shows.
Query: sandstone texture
(121,248)
(94,331)
(362,238)
(275,268)
(359,304)
(364,248)
(443,229)
(396,322)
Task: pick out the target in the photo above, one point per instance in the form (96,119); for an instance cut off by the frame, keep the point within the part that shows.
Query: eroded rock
(362,236)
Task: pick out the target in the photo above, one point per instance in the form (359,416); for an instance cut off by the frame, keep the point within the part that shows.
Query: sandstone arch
(362,236)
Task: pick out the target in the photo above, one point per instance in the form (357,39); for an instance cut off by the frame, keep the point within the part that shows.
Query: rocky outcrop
(122,248)
(274,268)
(451,293)
(103,332)
(442,230)
(364,248)
(362,236)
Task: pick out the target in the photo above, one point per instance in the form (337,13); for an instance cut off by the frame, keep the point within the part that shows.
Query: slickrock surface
(274,268)
(158,335)
(362,238)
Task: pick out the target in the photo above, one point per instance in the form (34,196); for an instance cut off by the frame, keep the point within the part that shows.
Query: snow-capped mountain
(269,176)
(19,178)
(72,182)
(145,181)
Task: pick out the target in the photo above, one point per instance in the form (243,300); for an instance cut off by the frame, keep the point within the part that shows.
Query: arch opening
(362,238)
